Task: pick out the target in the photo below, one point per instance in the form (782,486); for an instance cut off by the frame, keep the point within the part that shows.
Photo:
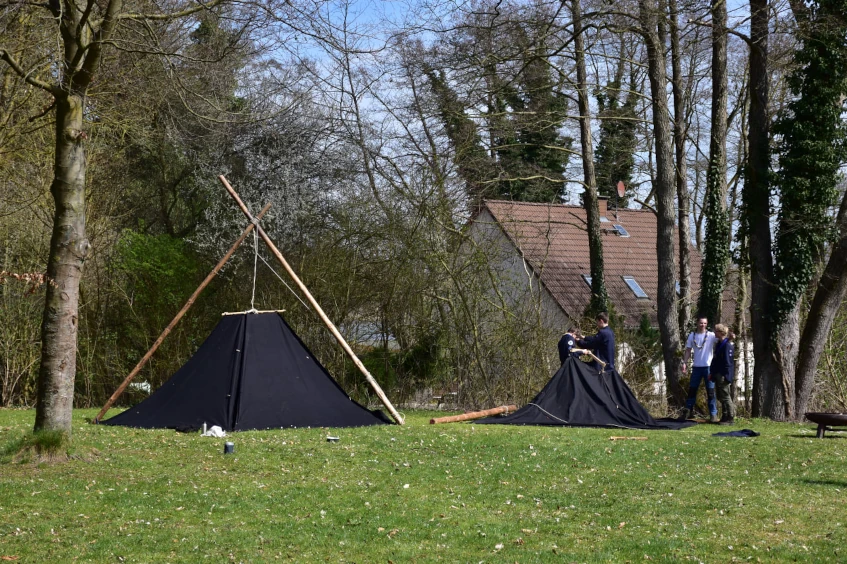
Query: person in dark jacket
(567,344)
(722,371)
(602,344)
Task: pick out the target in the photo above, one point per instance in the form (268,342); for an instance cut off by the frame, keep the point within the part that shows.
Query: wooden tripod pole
(315,305)
(178,316)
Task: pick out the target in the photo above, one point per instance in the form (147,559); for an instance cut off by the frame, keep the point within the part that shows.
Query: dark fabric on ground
(252,372)
(577,396)
(741,433)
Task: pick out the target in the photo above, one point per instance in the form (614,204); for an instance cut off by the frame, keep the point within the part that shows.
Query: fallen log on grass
(474,414)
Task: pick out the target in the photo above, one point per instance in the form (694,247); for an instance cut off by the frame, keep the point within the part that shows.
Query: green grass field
(424,493)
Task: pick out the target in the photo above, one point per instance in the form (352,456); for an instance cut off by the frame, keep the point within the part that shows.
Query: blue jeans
(701,373)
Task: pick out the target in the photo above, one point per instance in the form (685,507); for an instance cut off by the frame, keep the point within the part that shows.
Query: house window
(587,279)
(635,287)
(621,231)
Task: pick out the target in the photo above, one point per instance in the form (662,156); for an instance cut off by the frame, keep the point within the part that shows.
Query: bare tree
(599,298)
(756,200)
(651,17)
(680,132)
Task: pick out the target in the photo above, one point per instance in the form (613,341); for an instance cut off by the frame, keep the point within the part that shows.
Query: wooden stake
(474,414)
(315,305)
(178,316)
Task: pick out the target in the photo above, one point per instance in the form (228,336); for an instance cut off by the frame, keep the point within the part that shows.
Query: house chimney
(602,205)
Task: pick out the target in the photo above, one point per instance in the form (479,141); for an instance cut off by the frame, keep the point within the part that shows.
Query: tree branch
(95,48)
(171,16)
(51,88)
(43,113)
(745,38)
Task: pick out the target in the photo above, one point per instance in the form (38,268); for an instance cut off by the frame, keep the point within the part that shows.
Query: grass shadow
(813,434)
(836,483)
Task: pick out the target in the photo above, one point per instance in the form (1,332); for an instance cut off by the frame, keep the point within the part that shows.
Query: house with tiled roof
(547,245)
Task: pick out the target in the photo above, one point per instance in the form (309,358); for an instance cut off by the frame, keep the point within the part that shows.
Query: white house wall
(518,283)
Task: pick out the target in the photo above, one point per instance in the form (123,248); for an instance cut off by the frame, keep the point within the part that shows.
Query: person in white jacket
(701,345)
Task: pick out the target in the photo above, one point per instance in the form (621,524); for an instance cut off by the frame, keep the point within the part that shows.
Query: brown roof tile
(554,240)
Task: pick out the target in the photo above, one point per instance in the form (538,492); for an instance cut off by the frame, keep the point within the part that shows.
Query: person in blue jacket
(722,371)
(602,344)
(567,344)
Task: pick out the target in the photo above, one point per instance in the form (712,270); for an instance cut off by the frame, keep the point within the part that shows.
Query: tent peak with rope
(581,396)
(264,363)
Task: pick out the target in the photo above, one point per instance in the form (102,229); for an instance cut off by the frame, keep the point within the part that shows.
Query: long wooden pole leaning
(474,414)
(591,354)
(178,316)
(338,337)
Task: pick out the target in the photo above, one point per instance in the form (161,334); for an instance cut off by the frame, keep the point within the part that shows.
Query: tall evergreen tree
(520,127)
(474,165)
(615,156)
(529,149)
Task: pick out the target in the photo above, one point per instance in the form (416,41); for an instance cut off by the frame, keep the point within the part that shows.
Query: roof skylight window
(635,287)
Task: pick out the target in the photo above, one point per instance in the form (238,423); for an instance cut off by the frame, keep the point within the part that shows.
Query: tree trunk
(68,250)
(740,329)
(778,400)
(832,288)
(680,130)
(756,204)
(599,298)
(716,260)
(664,187)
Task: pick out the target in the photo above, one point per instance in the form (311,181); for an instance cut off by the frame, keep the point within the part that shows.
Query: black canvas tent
(252,372)
(579,396)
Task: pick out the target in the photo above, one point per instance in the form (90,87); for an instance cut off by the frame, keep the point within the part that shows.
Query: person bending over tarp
(581,396)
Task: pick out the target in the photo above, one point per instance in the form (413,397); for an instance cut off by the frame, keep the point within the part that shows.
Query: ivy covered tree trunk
(811,154)
(830,293)
(68,250)
(665,188)
(599,298)
(716,260)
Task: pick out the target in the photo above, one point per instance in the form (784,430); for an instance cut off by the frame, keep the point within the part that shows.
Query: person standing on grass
(602,344)
(702,342)
(722,371)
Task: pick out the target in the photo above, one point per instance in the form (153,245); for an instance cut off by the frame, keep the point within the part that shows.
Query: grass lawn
(455,493)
